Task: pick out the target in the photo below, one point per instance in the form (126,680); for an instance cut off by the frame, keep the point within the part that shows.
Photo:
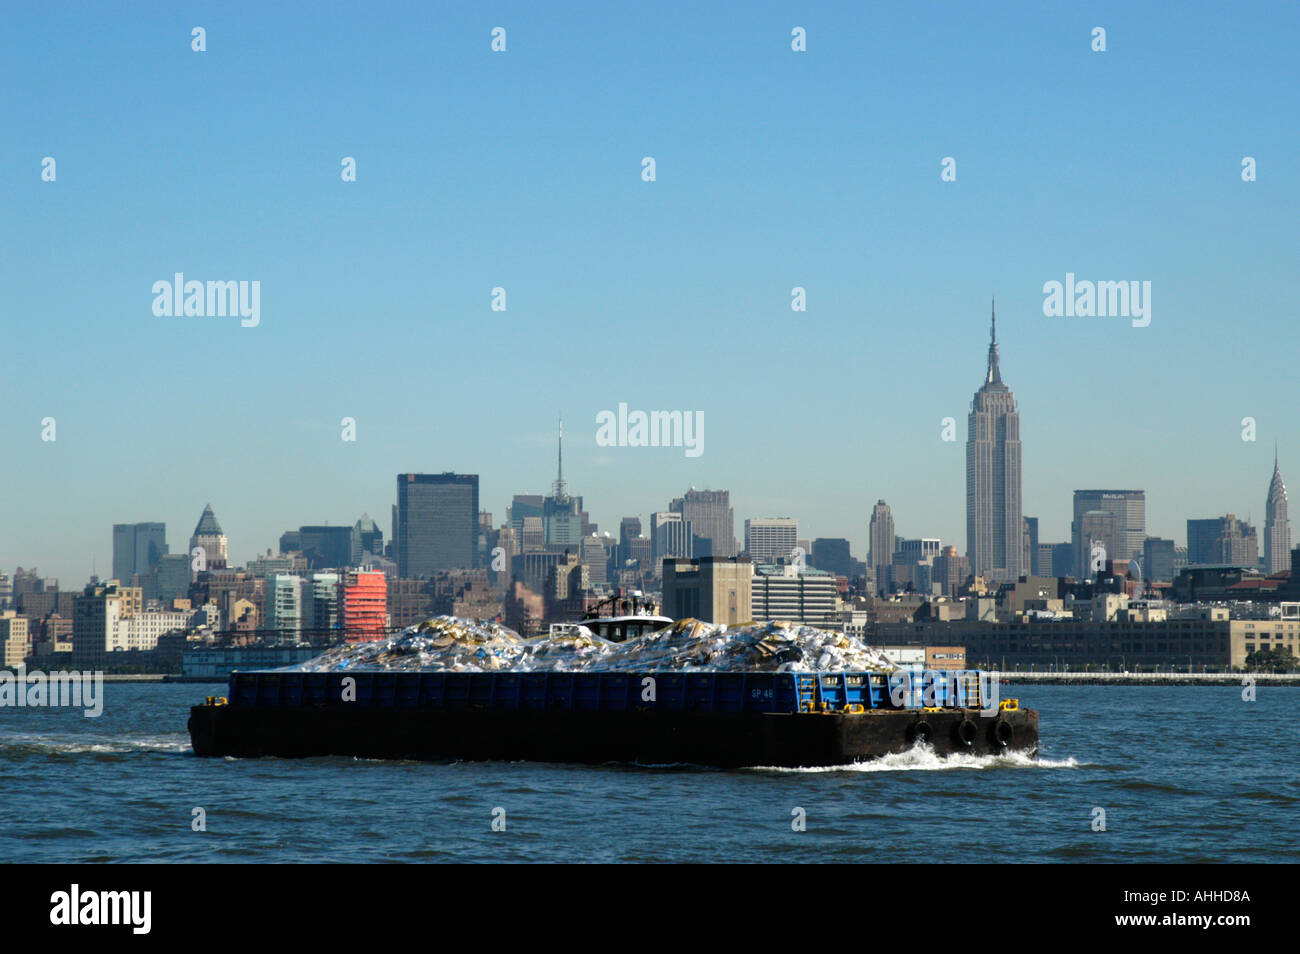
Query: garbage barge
(726,719)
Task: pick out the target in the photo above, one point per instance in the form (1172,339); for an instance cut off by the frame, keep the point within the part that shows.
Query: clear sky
(522,169)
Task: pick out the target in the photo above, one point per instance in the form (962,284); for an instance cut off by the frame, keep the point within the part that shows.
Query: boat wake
(922,758)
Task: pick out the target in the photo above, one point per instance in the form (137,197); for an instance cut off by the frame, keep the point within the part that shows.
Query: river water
(1182,774)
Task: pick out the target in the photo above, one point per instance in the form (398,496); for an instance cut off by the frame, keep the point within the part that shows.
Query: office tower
(908,552)
(1062,559)
(363,603)
(950,571)
(1158,560)
(770,539)
(437,523)
(1222,541)
(1043,560)
(366,538)
(532,535)
(880,541)
(1092,530)
(209,538)
(832,555)
(172,577)
(326,547)
(521,507)
(562,517)
(1029,565)
(994,521)
(596,552)
(1130,509)
(137,548)
(712,521)
(785,593)
(713,589)
(1277,527)
(670,536)
(629,528)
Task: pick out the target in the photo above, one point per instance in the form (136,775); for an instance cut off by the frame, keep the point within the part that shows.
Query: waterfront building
(713,589)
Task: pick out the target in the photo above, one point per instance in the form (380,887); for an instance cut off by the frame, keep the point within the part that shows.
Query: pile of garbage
(451,644)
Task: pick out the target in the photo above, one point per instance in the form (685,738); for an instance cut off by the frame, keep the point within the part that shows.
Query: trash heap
(451,644)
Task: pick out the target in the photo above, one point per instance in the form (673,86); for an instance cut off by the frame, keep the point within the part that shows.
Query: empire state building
(994,521)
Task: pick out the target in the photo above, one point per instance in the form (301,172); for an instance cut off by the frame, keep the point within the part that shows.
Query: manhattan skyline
(818,170)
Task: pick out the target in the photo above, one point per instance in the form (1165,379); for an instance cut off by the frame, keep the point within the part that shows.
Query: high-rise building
(712,521)
(994,520)
(1094,535)
(561,512)
(670,536)
(437,523)
(363,602)
(1029,565)
(950,571)
(366,538)
(1130,510)
(1158,560)
(713,589)
(1222,541)
(769,539)
(284,604)
(788,593)
(210,540)
(172,576)
(1277,526)
(880,541)
(320,602)
(137,548)
(326,547)
(832,555)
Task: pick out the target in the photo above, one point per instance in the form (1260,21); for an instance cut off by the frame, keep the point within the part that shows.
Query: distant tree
(1272,660)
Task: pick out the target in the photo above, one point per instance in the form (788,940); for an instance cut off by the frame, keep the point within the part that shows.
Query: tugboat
(622,617)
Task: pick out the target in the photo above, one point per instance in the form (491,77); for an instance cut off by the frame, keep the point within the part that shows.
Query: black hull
(719,739)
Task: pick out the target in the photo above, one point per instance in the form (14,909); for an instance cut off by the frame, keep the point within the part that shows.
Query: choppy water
(1188,774)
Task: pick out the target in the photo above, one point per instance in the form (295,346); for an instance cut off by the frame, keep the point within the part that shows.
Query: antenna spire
(560,489)
(994,375)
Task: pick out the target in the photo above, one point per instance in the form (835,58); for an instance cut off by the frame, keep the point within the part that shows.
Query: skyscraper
(1222,541)
(994,521)
(1277,527)
(1130,510)
(880,540)
(209,538)
(768,539)
(562,513)
(437,523)
(712,520)
(137,548)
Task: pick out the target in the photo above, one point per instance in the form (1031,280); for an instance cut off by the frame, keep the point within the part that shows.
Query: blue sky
(522,169)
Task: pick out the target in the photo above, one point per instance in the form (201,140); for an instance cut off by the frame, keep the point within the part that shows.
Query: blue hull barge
(727,719)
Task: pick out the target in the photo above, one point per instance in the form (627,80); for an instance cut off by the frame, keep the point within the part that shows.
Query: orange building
(363,605)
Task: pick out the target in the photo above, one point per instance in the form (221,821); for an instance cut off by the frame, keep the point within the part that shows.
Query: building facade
(437,523)
(1277,525)
(770,539)
(994,518)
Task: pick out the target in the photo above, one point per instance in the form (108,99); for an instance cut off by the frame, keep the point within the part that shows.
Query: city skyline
(208,532)
(758,191)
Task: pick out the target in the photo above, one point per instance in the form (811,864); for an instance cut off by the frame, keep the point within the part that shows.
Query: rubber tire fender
(919,731)
(965,733)
(1001,734)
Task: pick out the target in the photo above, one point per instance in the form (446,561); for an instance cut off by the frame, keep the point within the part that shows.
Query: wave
(922,758)
(30,744)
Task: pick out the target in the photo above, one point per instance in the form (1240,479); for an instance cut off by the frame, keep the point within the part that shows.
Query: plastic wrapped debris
(447,643)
